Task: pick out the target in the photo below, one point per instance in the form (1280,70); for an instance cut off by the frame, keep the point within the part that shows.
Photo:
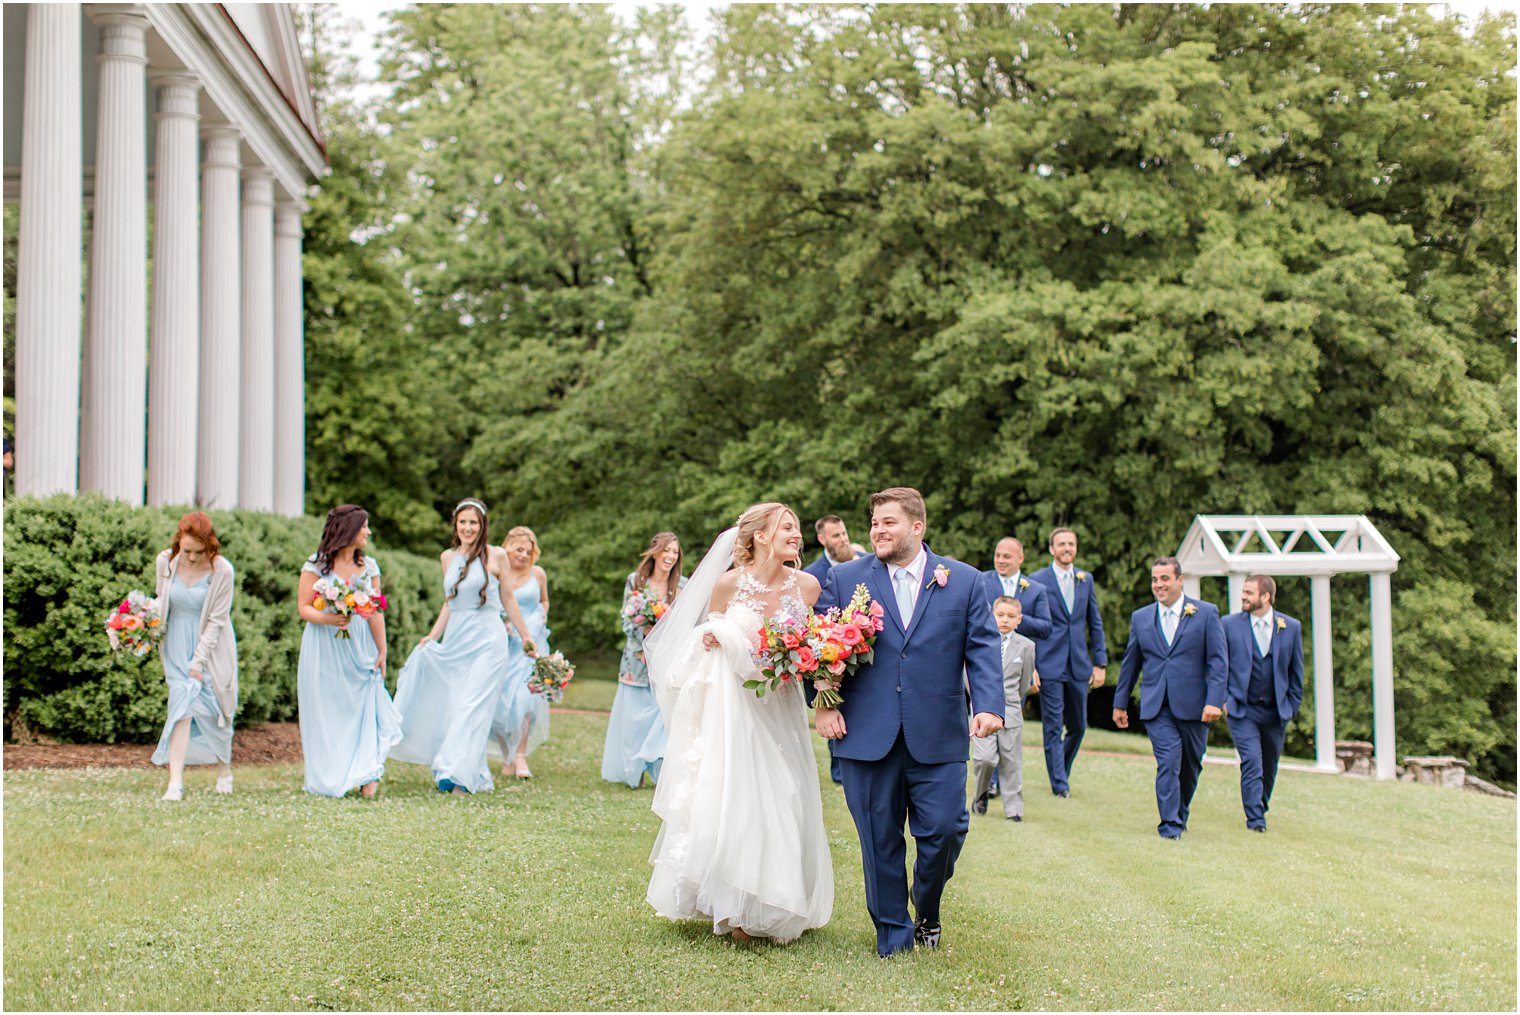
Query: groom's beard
(899,553)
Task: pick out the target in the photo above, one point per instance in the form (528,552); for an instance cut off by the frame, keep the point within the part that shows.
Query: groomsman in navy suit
(1006,579)
(1071,658)
(1179,644)
(835,540)
(1266,684)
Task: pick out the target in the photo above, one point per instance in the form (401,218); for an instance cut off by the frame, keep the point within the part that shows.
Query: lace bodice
(766,602)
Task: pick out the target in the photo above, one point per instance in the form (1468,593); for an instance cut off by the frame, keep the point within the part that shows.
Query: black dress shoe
(926,934)
(1063,793)
(979,805)
(1016,817)
(1258,828)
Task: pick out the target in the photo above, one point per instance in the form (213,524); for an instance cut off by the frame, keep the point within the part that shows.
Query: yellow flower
(1190,609)
(829,653)
(319,603)
(349,599)
(1282,625)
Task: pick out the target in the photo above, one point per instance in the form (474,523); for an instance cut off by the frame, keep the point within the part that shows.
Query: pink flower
(879,624)
(850,635)
(941,575)
(638,621)
(806,660)
(790,640)
(836,667)
(124,608)
(877,612)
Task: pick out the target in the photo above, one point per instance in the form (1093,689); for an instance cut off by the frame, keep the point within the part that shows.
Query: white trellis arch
(1318,546)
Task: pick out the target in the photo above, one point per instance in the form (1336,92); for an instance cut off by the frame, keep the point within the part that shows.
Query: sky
(371,19)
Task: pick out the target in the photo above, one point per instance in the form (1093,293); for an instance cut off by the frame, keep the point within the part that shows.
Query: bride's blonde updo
(759,518)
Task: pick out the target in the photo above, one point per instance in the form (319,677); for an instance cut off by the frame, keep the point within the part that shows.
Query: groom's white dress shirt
(916,573)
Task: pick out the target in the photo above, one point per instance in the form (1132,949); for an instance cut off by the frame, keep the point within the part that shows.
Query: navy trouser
(932,799)
(1062,702)
(1259,739)
(1178,745)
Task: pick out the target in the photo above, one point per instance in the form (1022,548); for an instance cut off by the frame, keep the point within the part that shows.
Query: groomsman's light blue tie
(1168,624)
(902,583)
(1008,587)
(1066,589)
(1263,635)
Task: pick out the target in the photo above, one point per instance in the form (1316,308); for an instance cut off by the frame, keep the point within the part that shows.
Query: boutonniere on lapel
(941,577)
(1081,576)
(1189,609)
(1023,584)
(1282,625)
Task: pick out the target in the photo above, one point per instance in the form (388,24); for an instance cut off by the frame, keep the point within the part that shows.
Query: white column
(175,353)
(1192,586)
(221,322)
(1237,583)
(1324,676)
(256,450)
(289,363)
(50,244)
(113,431)
(1382,675)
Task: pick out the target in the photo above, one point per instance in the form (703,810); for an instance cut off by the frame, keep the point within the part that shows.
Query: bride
(742,841)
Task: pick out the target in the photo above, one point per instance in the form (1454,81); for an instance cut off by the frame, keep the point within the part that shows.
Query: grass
(1363,896)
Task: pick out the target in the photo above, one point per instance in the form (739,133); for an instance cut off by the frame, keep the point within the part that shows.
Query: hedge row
(68,560)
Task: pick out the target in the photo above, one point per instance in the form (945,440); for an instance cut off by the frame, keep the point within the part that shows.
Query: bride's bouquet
(342,596)
(847,640)
(550,675)
(825,649)
(136,625)
(645,606)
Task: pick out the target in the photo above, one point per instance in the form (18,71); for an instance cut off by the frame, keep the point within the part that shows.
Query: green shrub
(68,560)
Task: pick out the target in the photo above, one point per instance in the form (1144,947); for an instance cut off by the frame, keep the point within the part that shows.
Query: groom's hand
(829,722)
(984,724)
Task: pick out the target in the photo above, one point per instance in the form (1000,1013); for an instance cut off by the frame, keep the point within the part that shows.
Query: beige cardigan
(216,645)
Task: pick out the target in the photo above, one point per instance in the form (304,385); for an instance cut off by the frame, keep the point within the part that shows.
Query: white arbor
(1318,546)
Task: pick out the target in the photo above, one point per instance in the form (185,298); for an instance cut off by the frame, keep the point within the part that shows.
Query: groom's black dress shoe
(926,934)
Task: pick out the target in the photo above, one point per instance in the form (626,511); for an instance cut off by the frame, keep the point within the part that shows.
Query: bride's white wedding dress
(743,842)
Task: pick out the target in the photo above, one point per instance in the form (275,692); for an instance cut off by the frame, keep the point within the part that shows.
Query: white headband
(471,502)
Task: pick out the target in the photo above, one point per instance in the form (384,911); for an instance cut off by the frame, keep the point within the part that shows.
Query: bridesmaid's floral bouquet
(136,625)
(343,597)
(847,640)
(645,606)
(825,648)
(550,675)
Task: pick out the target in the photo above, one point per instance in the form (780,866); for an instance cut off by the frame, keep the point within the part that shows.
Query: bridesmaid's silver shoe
(224,784)
(176,791)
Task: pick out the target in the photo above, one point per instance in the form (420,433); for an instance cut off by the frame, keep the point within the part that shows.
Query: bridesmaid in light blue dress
(199,653)
(635,745)
(348,722)
(449,688)
(522,717)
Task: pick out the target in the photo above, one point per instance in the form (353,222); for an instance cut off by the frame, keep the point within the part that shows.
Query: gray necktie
(1168,624)
(1066,589)
(1263,635)
(902,583)
(1008,587)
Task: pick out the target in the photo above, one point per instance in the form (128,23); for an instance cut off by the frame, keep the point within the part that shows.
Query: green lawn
(1364,895)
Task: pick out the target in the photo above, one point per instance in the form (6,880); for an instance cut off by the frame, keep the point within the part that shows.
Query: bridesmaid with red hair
(199,653)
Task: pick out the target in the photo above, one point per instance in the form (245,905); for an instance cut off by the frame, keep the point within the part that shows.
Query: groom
(900,734)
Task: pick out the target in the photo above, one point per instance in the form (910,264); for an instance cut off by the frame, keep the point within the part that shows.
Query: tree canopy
(1105,266)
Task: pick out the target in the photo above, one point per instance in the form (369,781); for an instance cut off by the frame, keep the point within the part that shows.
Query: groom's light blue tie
(902,584)
(1168,624)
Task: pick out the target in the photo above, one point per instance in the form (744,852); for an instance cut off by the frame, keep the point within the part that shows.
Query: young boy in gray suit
(1004,753)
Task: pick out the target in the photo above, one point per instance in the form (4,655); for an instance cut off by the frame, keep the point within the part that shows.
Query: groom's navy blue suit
(903,755)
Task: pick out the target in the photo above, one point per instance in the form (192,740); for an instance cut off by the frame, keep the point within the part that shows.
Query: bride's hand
(709,640)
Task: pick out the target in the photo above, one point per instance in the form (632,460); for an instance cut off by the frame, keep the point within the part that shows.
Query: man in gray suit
(1004,753)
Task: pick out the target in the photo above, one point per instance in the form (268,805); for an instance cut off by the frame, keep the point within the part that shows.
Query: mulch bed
(269,744)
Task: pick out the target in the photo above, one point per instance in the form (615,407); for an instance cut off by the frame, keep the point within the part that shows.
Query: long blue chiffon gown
(516,703)
(209,743)
(348,721)
(635,744)
(448,690)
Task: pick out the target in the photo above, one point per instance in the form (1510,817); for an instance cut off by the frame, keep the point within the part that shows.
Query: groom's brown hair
(911,500)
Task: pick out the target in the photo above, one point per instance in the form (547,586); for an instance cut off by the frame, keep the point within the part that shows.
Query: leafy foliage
(1103,266)
(69,560)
